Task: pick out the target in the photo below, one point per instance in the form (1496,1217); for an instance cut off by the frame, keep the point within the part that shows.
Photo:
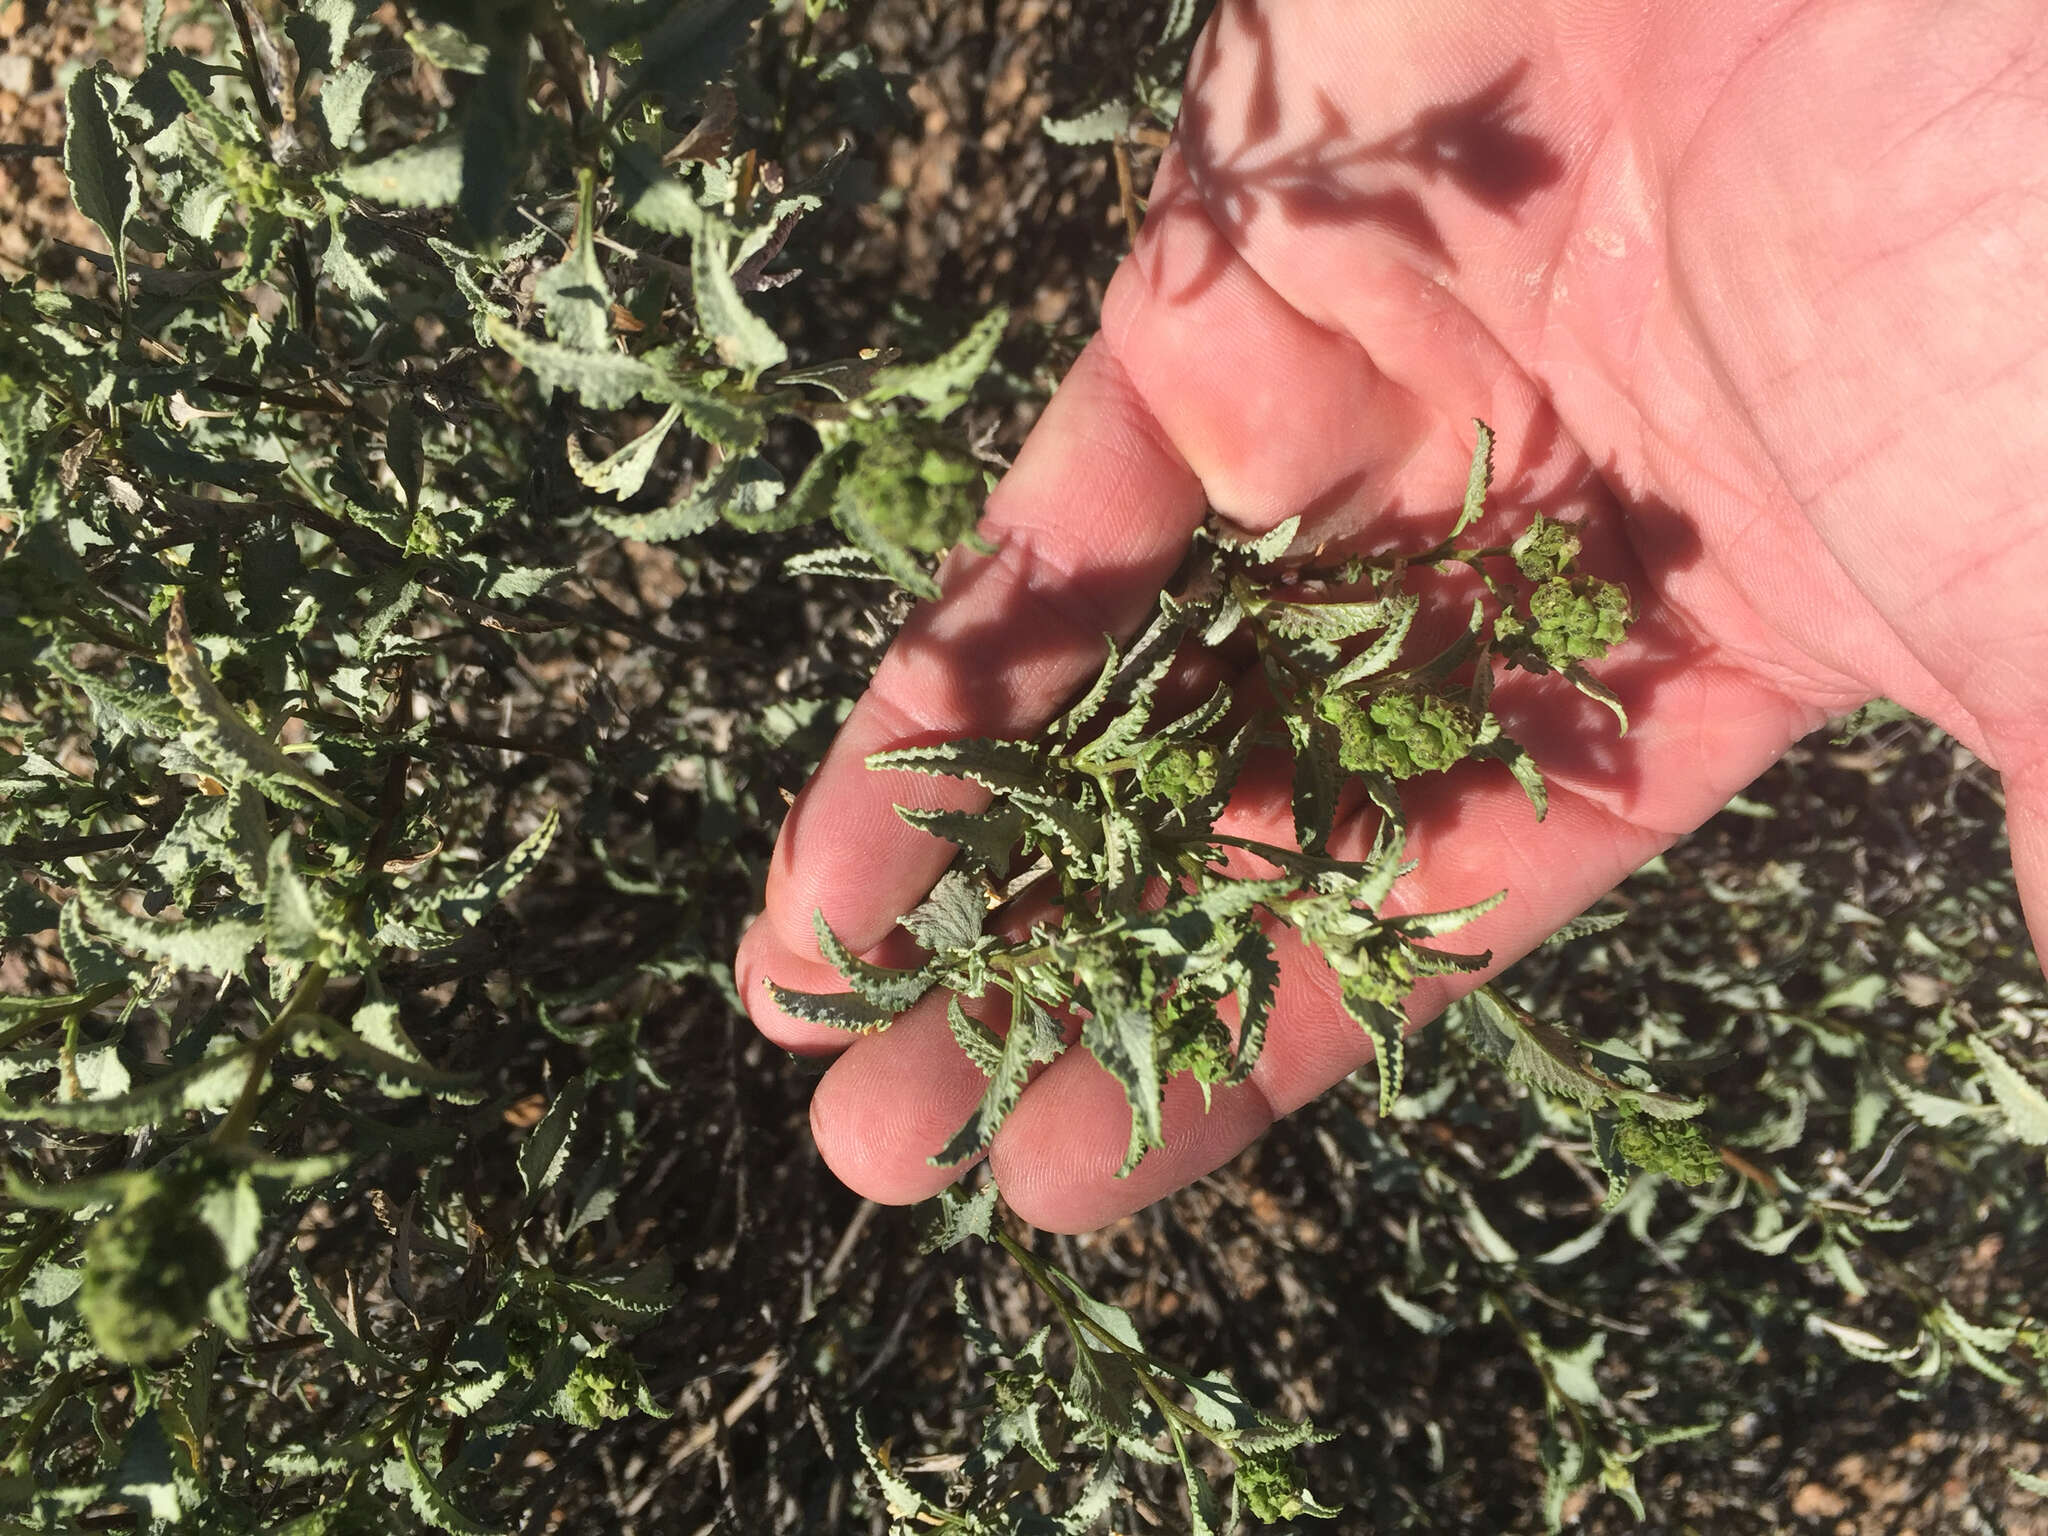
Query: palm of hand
(1742,293)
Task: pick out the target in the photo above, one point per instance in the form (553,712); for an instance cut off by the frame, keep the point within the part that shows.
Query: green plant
(415,335)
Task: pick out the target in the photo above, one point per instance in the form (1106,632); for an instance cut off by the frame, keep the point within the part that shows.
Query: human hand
(1752,291)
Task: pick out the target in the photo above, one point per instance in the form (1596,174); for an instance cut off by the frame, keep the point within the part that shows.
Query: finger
(2026,807)
(893,1101)
(1706,727)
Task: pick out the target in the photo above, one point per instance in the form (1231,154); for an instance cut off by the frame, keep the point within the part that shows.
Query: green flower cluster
(1545,549)
(1179,771)
(1673,1147)
(913,485)
(1571,619)
(149,1269)
(605,1385)
(1400,732)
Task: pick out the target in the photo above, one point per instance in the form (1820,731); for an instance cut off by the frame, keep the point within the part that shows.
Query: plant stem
(234,1129)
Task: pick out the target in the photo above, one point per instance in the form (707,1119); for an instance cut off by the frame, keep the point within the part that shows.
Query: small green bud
(1545,549)
(1401,732)
(1673,1147)
(605,1385)
(1577,618)
(1270,1486)
(915,488)
(1179,772)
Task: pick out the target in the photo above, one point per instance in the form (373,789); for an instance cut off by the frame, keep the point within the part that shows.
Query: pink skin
(1756,289)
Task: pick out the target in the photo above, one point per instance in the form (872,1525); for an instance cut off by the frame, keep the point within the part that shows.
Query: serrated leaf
(430,1501)
(463,905)
(341,101)
(1098,125)
(741,338)
(984,838)
(993,764)
(1318,781)
(211,1084)
(604,381)
(808,501)
(1326,621)
(1585,925)
(1478,481)
(1384,651)
(880,985)
(419,176)
(904,1501)
(215,945)
(1414,1314)
(956,1214)
(1598,691)
(1118,1034)
(1033,1038)
(944,383)
(621,474)
(1388,1031)
(102,182)
(576,303)
(1273,543)
(840,1010)
(2025,1107)
(545,1152)
(951,916)
(219,737)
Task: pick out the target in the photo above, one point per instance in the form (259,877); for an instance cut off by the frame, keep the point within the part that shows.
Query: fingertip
(1056,1158)
(892,1102)
(762,959)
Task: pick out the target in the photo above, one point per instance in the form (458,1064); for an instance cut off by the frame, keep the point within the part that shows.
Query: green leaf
(741,338)
(621,474)
(1384,651)
(997,765)
(1478,482)
(984,838)
(211,1084)
(1118,1033)
(904,1501)
(576,303)
(545,1152)
(604,381)
(216,945)
(956,1214)
(1388,1031)
(219,737)
(1327,621)
(840,1010)
(944,383)
(951,916)
(429,1500)
(419,176)
(463,906)
(2026,1108)
(341,101)
(809,500)
(102,182)
(1098,125)
(1033,1038)
(1414,1314)
(889,989)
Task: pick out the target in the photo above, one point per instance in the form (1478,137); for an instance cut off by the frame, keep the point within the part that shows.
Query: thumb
(2026,810)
